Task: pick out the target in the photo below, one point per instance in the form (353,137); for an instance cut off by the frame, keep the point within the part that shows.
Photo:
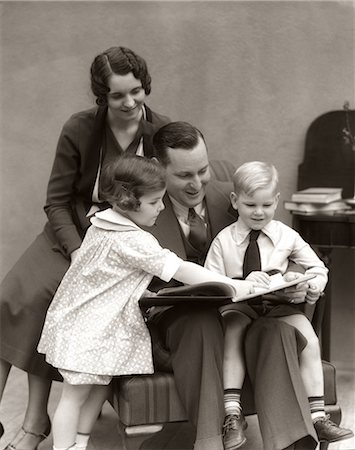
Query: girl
(94,328)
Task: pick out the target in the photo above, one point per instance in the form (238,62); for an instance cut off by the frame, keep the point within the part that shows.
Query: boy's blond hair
(255,175)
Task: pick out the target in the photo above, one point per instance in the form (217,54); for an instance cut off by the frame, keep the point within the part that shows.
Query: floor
(106,434)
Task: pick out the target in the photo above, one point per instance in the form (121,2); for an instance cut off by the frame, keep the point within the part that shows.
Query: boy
(250,248)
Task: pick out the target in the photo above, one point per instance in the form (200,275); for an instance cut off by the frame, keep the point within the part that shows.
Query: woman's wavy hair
(121,61)
(126,179)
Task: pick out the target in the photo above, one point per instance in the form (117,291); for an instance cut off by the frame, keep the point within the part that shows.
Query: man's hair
(255,175)
(119,61)
(126,179)
(179,135)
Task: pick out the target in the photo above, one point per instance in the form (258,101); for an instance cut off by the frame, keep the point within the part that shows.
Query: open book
(214,293)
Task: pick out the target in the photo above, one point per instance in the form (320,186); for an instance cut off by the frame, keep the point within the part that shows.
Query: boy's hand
(312,294)
(259,279)
(293,294)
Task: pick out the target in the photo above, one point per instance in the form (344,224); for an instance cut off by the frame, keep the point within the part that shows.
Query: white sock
(81,441)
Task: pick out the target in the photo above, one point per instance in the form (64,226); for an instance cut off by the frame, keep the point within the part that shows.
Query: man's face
(188,174)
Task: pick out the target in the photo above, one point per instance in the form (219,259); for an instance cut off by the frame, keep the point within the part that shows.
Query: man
(194,336)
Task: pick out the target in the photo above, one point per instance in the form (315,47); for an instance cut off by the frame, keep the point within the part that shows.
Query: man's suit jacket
(167,229)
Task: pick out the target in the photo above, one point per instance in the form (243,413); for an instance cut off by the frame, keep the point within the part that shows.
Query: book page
(277,283)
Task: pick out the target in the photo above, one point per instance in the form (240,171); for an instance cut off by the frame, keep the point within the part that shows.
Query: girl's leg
(89,413)
(310,358)
(67,415)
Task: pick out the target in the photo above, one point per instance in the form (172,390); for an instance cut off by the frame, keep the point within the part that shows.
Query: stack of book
(317,200)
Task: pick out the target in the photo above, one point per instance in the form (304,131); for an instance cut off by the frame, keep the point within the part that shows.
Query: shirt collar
(112,220)
(241,231)
(182,211)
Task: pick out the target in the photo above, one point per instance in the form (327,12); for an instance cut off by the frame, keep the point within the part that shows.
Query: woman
(120,123)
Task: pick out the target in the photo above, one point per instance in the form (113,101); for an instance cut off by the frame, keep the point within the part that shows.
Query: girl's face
(149,209)
(256,210)
(126,97)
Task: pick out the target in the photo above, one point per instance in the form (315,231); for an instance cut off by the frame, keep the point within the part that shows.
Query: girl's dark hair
(180,135)
(121,61)
(124,181)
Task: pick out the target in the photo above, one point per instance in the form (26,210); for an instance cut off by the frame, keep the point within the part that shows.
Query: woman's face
(126,97)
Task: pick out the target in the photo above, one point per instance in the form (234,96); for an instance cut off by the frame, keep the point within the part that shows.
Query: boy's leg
(233,361)
(312,376)
(310,358)
(66,417)
(236,324)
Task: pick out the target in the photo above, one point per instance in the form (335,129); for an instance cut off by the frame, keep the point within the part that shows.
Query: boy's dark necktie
(252,254)
(198,231)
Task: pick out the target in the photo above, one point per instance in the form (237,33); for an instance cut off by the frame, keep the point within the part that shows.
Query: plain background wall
(251,75)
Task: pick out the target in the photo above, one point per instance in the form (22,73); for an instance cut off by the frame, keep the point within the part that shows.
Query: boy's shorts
(84,378)
(260,307)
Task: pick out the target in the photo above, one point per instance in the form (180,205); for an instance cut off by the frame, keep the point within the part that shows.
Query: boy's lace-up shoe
(328,431)
(233,431)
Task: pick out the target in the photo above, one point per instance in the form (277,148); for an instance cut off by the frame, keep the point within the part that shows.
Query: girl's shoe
(1,429)
(16,443)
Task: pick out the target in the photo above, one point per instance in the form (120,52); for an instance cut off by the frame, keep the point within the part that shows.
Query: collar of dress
(113,221)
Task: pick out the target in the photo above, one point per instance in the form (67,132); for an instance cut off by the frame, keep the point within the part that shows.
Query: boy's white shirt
(278,243)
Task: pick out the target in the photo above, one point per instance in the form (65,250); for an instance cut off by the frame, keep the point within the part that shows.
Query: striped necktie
(198,231)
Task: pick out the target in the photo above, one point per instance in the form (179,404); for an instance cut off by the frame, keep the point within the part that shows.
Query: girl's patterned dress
(94,324)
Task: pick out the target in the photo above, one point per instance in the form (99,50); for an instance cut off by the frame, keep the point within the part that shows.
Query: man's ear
(155,159)
(233,198)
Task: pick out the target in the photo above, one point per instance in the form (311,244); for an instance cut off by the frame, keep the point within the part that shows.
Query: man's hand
(293,294)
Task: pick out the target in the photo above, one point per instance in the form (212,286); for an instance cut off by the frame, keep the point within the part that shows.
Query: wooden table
(326,232)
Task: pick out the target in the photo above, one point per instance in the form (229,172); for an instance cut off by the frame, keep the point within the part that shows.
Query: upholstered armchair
(153,399)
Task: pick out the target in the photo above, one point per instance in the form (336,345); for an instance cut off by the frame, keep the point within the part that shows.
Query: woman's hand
(73,255)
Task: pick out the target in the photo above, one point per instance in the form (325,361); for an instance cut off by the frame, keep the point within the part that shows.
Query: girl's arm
(190,273)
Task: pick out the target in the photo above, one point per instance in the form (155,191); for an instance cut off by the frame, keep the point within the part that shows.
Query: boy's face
(256,210)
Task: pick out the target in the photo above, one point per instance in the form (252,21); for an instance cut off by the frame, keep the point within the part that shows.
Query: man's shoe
(328,431)
(233,431)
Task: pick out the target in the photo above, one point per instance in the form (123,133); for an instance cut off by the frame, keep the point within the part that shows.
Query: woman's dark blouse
(83,144)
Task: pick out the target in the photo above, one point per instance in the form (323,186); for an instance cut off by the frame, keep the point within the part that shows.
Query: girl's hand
(312,294)
(148,293)
(242,287)
(259,279)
